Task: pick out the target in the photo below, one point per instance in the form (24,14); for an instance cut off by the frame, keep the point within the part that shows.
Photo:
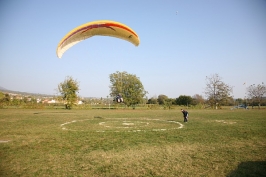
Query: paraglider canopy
(102,28)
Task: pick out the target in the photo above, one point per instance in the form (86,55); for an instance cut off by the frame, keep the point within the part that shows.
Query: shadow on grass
(250,168)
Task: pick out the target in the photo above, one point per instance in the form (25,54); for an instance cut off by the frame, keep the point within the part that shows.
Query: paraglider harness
(118,98)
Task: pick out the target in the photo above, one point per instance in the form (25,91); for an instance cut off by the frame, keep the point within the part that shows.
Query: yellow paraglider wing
(102,28)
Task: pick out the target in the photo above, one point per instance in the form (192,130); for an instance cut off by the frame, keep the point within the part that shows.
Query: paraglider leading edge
(102,28)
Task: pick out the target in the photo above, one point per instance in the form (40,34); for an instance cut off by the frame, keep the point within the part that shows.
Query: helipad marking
(225,122)
(4,141)
(126,125)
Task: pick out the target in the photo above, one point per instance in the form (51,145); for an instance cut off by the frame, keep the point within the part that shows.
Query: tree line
(129,86)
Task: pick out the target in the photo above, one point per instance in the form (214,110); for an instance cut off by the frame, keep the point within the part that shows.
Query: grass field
(132,143)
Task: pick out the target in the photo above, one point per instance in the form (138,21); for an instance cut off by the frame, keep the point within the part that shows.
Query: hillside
(2,89)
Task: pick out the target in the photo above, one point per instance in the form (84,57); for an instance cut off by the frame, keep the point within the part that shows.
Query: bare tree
(255,93)
(198,99)
(216,91)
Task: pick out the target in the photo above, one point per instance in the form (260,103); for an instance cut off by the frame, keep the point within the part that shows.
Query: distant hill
(2,89)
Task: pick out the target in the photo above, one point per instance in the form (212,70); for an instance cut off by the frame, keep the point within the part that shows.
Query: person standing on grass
(185,114)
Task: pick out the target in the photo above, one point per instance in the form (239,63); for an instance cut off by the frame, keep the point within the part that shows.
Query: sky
(181,42)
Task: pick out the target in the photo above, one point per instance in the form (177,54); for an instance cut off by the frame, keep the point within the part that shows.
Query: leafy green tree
(68,90)
(256,93)
(129,86)
(216,91)
(239,101)
(2,99)
(184,100)
(162,99)
(2,95)
(16,101)
(5,98)
(152,100)
(169,102)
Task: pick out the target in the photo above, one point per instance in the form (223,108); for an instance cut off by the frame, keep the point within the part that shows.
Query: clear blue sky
(176,53)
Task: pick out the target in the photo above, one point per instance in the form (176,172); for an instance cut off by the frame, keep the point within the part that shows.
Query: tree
(4,98)
(239,101)
(152,100)
(256,93)
(197,100)
(68,90)
(216,91)
(162,99)
(169,102)
(129,86)
(184,100)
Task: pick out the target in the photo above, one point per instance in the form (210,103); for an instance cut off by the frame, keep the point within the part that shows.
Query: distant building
(51,101)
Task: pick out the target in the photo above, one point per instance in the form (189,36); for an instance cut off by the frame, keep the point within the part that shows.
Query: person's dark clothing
(185,114)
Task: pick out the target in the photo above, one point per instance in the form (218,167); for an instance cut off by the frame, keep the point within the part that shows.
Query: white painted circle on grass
(4,141)
(124,125)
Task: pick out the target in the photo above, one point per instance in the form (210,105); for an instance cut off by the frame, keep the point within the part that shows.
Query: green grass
(132,143)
